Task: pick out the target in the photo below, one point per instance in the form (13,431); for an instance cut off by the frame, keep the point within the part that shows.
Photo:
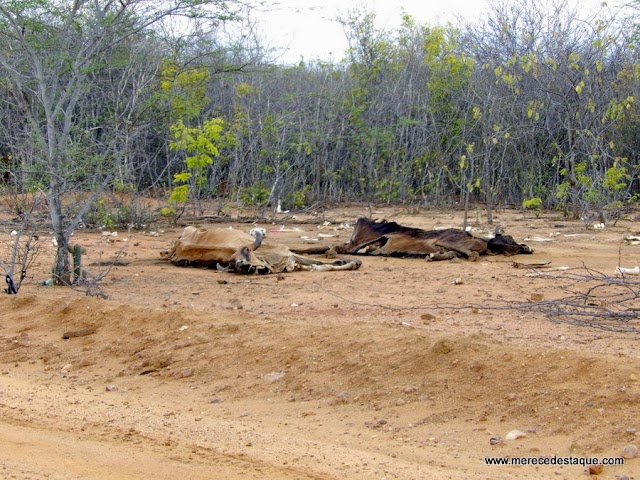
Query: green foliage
(168,211)
(298,198)
(562,192)
(450,69)
(200,143)
(616,178)
(601,191)
(123,187)
(254,196)
(101,216)
(534,204)
(244,90)
(179,194)
(112,213)
(521,107)
(200,146)
(184,89)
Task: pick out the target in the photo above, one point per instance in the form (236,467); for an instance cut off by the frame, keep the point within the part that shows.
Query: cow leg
(311,264)
(447,255)
(340,265)
(312,250)
(454,247)
(375,248)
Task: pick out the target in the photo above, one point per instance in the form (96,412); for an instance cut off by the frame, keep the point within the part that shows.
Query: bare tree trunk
(489,201)
(62,266)
(466,209)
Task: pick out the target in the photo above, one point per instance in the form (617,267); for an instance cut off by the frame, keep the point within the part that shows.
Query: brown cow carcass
(241,252)
(392,239)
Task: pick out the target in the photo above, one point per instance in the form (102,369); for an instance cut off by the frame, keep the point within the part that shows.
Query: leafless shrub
(89,281)
(591,299)
(24,245)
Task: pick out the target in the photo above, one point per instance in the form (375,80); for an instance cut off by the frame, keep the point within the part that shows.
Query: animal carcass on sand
(391,239)
(243,253)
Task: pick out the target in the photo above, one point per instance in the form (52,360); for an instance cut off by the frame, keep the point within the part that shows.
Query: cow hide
(240,252)
(392,239)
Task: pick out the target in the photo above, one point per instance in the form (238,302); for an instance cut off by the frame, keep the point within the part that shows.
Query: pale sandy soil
(404,369)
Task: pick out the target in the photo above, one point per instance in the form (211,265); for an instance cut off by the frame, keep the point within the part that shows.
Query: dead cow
(392,239)
(243,253)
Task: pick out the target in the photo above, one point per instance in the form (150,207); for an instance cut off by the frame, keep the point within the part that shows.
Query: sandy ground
(404,369)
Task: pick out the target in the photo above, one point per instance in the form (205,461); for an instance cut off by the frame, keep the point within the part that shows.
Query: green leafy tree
(50,53)
(200,146)
(184,90)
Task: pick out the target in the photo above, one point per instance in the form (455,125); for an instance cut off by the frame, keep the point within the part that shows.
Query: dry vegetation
(402,370)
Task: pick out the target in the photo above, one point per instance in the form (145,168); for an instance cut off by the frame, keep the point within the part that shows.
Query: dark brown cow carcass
(392,239)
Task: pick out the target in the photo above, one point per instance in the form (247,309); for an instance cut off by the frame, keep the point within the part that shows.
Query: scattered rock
(86,362)
(495,440)
(442,347)
(458,281)
(186,373)
(23,340)
(427,317)
(630,451)
(79,333)
(272,377)
(110,388)
(331,253)
(514,435)
(595,469)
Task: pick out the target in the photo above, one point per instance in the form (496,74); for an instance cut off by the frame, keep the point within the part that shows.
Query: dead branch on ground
(590,299)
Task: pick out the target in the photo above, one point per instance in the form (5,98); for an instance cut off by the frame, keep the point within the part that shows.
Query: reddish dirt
(404,369)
